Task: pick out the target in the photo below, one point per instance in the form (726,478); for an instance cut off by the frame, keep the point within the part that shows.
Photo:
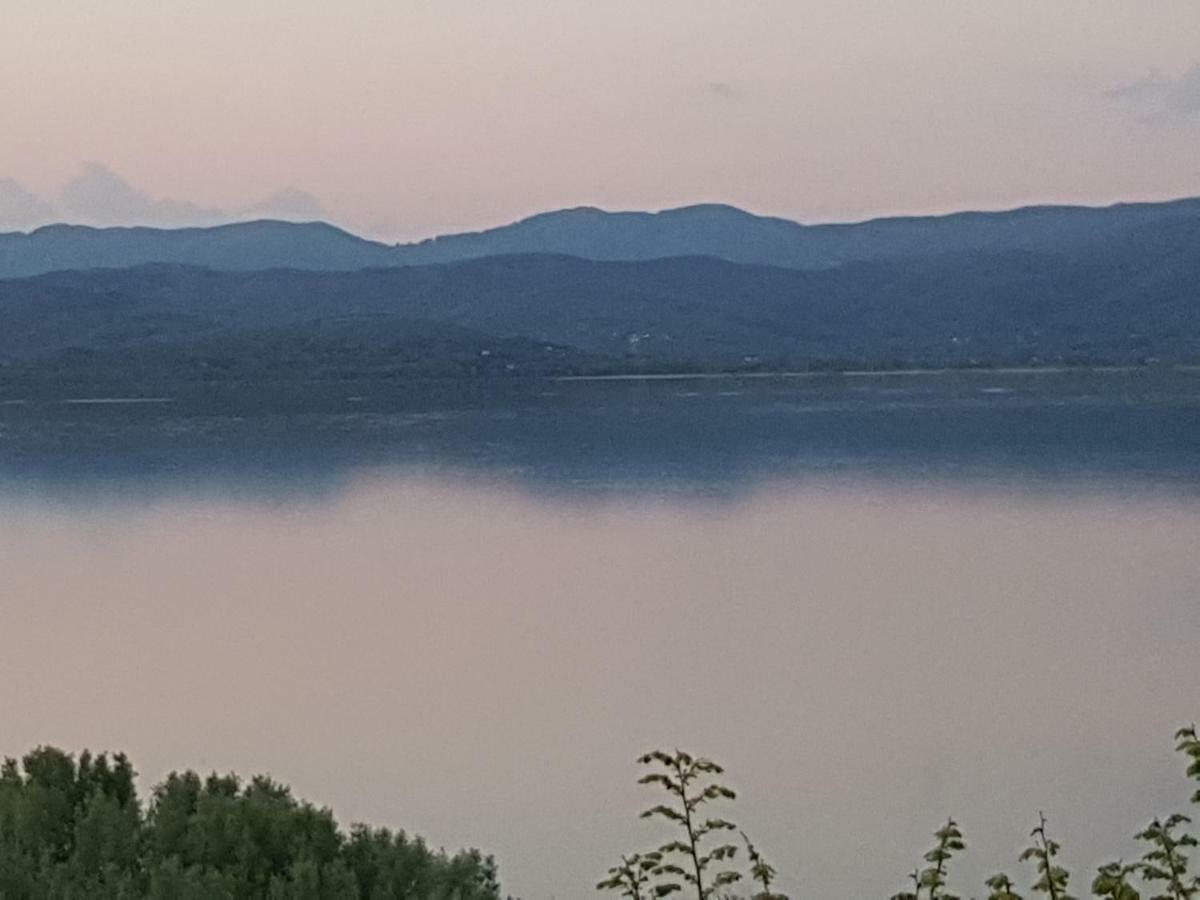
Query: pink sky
(410,117)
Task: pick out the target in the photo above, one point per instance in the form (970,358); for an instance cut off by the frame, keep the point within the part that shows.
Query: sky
(405,118)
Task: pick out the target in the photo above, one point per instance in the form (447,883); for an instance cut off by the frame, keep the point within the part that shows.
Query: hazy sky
(406,117)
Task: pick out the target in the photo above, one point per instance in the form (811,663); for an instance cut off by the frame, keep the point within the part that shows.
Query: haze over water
(458,652)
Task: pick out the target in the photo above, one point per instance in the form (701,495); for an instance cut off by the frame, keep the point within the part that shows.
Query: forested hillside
(1125,301)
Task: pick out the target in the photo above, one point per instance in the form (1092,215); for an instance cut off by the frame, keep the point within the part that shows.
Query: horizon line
(235,222)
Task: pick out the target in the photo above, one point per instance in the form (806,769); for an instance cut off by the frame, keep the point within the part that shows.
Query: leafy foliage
(1112,881)
(1189,744)
(915,877)
(690,782)
(760,870)
(1052,878)
(1166,860)
(75,830)
(632,877)
(1000,887)
(932,879)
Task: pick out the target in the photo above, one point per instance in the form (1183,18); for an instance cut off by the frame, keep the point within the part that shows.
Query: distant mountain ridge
(239,246)
(729,233)
(723,232)
(1129,298)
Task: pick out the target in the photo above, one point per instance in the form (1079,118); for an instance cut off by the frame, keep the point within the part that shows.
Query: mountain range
(723,232)
(583,291)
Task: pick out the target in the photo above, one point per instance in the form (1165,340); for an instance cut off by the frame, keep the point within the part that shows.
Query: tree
(1112,881)
(632,877)
(74,830)
(1000,887)
(933,878)
(1189,744)
(760,870)
(1052,880)
(1166,860)
(689,781)
(915,877)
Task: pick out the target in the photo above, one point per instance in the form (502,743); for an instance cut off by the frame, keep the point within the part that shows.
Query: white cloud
(291,204)
(1161,98)
(21,210)
(99,196)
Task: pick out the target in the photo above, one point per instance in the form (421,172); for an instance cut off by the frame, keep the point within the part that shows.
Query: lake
(878,601)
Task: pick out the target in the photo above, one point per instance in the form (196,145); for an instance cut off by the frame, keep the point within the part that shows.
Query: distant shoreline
(870,373)
(17,397)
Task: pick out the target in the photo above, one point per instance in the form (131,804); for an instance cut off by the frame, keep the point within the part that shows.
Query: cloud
(723,90)
(291,204)
(21,210)
(1162,99)
(99,196)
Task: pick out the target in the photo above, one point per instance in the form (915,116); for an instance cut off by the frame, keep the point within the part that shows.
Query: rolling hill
(1123,299)
(723,232)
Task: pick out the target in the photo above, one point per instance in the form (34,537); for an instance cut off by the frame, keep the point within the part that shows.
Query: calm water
(878,602)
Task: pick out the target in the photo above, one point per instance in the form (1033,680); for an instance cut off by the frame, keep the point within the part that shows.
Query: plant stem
(1046,859)
(687,816)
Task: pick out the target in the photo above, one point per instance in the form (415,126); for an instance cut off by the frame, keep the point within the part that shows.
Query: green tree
(632,878)
(690,782)
(932,878)
(1189,744)
(107,838)
(1112,881)
(949,841)
(1166,860)
(1052,878)
(915,877)
(760,870)
(1000,887)
(74,830)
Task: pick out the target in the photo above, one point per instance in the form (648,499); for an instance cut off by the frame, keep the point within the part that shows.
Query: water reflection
(483,666)
(478,618)
(708,438)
